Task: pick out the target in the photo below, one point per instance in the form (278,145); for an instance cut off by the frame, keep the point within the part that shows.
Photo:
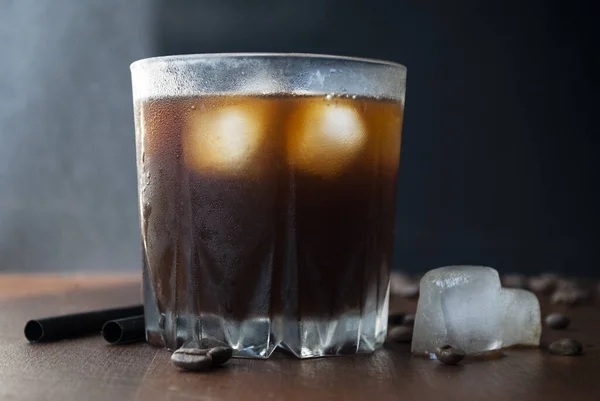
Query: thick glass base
(360,331)
(257,338)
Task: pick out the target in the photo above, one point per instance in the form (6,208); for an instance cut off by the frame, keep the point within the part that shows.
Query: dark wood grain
(88,369)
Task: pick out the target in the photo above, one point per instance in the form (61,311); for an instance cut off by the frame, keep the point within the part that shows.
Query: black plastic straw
(124,331)
(76,325)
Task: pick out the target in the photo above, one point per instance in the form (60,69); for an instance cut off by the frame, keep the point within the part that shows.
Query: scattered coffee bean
(400,334)
(192,359)
(566,284)
(449,355)
(220,355)
(410,291)
(395,319)
(402,285)
(543,284)
(570,296)
(409,320)
(566,347)
(557,321)
(514,281)
(562,297)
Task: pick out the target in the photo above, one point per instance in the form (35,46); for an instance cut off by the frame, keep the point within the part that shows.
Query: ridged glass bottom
(257,337)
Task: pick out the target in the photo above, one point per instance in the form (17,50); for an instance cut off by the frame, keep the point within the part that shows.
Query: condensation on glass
(267,187)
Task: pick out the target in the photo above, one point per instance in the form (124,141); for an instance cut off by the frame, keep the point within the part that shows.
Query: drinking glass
(267,187)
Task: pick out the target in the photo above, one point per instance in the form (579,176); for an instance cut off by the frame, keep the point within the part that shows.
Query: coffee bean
(409,291)
(562,297)
(400,334)
(569,283)
(566,347)
(514,281)
(570,296)
(557,321)
(403,286)
(543,284)
(395,319)
(192,359)
(409,320)
(449,355)
(220,355)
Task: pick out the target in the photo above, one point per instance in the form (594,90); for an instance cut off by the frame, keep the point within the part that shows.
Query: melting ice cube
(465,306)
(325,137)
(224,138)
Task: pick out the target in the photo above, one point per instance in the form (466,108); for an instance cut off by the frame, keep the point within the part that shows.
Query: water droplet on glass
(146,210)
(193,107)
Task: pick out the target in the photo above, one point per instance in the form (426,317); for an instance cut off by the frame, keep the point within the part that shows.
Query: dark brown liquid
(267,205)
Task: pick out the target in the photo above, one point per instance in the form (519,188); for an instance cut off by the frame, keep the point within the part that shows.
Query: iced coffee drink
(267,188)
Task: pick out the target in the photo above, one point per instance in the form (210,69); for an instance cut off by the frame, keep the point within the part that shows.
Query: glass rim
(204,56)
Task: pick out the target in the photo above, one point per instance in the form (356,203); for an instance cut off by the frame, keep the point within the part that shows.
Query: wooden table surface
(89,369)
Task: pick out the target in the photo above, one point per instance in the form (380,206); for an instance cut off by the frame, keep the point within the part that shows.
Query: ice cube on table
(325,137)
(466,307)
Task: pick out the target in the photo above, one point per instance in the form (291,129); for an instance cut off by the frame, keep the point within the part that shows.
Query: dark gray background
(498,162)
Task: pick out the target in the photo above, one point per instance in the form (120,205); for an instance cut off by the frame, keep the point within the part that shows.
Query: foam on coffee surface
(324,137)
